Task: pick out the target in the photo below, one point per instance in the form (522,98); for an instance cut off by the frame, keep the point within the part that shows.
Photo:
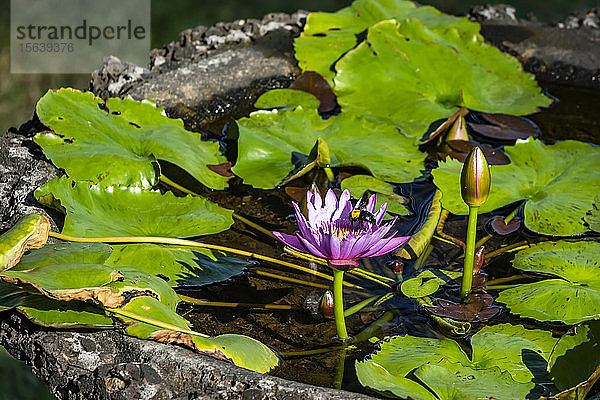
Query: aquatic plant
(341,233)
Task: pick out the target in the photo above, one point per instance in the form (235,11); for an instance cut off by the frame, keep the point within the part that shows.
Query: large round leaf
(62,253)
(268,141)
(179,266)
(505,360)
(119,211)
(433,73)
(327,36)
(573,298)
(48,312)
(359,184)
(119,143)
(558,183)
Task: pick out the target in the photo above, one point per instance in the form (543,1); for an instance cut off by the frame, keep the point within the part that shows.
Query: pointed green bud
(475,179)
(458,131)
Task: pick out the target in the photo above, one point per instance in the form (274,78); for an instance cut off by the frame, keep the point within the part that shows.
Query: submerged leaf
(269,140)
(506,127)
(118,211)
(571,298)
(120,142)
(313,83)
(477,307)
(557,182)
(427,282)
(592,217)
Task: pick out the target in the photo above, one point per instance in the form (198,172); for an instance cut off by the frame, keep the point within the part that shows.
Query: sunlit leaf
(242,350)
(557,182)
(30,232)
(505,360)
(359,184)
(120,142)
(63,253)
(48,312)
(427,282)
(592,217)
(118,211)
(269,140)
(572,297)
(179,266)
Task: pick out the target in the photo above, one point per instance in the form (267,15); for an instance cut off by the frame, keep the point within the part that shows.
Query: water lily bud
(458,131)
(475,179)
(478,259)
(326,305)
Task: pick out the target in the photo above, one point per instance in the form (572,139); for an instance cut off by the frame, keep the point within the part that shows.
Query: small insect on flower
(359,214)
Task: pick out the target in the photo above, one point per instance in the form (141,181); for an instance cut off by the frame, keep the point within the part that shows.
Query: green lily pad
(63,253)
(270,140)
(359,184)
(433,74)
(137,281)
(573,297)
(30,232)
(327,36)
(505,360)
(427,282)
(48,312)
(179,266)
(244,351)
(557,182)
(592,217)
(121,141)
(576,355)
(118,211)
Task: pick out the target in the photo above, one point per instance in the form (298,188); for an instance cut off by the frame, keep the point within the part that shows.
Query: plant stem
(152,321)
(183,242)
(359,306)
(501,287)
(192,300)
(292,280)
(246,221)
(330,175)
(467,278)
(511,247)
(338,304)
(339,369)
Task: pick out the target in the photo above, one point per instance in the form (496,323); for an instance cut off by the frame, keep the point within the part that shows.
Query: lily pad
(121,141)
(244,351)
(505,360)
(572,297)
(477,307)
(270,140)
(63,253)
(576,355)
(359,184)
(179,266)
(427,282)
(327,36)
(30,232)
(557,182)
(592,217)
(119,211)
(433,74)
(48,312)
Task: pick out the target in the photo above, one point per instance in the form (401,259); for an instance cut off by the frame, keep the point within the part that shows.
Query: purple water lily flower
(331,233)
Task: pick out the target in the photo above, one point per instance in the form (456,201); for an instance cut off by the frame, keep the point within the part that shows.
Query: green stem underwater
(338,304)
(467,278)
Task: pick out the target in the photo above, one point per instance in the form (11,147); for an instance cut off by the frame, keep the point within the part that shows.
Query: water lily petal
(291,241)
(311,247)
(344,206)
(331,204)
(370,207)
(344,262)
(303,224)
(389,245)
(380,214)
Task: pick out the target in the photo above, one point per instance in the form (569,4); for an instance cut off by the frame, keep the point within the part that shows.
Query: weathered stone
(109,365)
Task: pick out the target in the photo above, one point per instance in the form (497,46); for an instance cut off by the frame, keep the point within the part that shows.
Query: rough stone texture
(210,73)
(108,365)
(23,168)
(569,56)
